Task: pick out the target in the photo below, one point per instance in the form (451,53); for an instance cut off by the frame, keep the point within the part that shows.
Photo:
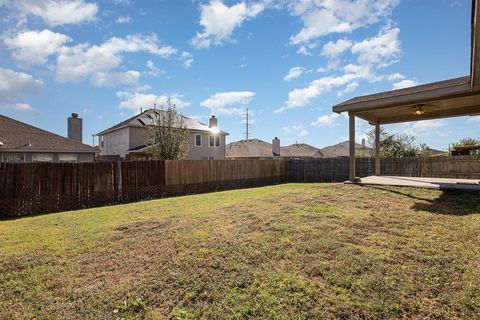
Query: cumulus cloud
(228,103)
(34,47)
(334,49)
(297,131)
(99,63)
(424,127)
(325,120)
(294,73)
(348,89)
(405,84)
(123,20)
(134,101)
(54,12)
(323,17)
(14,86)
(381,49)
(187,59)
(219,21)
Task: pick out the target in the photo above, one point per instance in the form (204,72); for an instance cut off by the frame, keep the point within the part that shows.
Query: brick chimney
(213,122)
(75,127)
(276,147)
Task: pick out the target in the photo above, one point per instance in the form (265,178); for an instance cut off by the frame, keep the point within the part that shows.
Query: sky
(287,61)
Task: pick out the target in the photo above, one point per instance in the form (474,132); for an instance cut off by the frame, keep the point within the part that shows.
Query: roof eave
(410,98)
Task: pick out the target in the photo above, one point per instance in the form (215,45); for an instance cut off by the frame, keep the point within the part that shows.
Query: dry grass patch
(282,252)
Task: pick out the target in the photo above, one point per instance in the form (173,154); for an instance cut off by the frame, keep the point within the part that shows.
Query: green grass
(295,251)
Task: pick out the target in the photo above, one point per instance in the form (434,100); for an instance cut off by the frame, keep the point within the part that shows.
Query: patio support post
(377,150)
(351,174)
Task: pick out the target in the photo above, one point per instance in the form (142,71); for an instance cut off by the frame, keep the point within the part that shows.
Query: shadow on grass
(450,202)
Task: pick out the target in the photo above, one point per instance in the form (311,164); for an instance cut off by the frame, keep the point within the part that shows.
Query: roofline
(407,98)
(135,126)
(46,151)
(37,128)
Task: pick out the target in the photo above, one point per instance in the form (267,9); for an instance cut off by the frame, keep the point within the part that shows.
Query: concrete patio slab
(431,183)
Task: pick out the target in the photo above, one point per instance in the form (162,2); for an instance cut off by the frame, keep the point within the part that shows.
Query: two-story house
(126,140)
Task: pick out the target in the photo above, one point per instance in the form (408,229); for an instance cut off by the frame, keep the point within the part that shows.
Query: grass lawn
(293,251)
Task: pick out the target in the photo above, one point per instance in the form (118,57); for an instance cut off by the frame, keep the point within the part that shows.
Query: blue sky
(288,61)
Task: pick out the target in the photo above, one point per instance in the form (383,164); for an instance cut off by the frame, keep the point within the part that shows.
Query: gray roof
(342,150)
(19,136)
(147,118)
(256,148)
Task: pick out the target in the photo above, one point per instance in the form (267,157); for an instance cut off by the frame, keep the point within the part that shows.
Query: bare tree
(168,137)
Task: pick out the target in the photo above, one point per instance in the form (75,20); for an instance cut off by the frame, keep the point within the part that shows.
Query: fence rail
(27,189)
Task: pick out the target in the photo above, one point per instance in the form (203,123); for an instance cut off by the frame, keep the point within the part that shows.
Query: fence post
(120,182)
(419,170)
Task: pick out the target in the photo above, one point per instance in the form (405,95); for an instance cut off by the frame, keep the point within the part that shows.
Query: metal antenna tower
(247,125)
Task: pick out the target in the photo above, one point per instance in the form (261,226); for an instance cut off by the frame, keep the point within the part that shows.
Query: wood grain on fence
(34,188)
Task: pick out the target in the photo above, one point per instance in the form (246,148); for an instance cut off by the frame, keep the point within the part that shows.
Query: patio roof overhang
(475,56)
(450,98)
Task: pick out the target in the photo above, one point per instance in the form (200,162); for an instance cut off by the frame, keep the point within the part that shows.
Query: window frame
(213,143)
(201,140)
(36,161)
(70,154)
(13,154)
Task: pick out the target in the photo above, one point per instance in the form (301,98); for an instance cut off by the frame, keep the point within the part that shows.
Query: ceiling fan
(419,109)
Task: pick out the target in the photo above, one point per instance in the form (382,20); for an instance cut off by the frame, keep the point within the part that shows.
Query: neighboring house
(20,142)
(429,152)
(342,150)
(126,140)
(258,149)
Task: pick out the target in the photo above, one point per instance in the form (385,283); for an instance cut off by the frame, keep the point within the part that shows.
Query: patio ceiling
(451,98)
(475,64)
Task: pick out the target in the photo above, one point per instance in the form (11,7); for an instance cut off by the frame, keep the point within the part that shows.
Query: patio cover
(450,98)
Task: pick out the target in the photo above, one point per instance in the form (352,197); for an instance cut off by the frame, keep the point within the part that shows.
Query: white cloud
(55,12)
(294,73)
(123,20)
(424,127)
(301,97)
(325,120)
(13,86)
(136,100)
(298,131)
(219,21)
(153,70)
(405,84)
(382,49)
(187,59)
(474,119)
(98,63)
(395,77)
(323,17)
(228,103)
(334,49)
(34,47)
(348,89)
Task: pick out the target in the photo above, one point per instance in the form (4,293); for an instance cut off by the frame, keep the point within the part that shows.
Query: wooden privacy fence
(336,169)
(52,187)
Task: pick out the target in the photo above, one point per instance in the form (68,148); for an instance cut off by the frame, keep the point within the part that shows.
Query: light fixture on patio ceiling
(419,110)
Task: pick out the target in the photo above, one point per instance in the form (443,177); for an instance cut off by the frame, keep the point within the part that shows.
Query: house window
(67,158)
(198,140)
(13,157)
(101,142)
(214,141)
(42,157)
